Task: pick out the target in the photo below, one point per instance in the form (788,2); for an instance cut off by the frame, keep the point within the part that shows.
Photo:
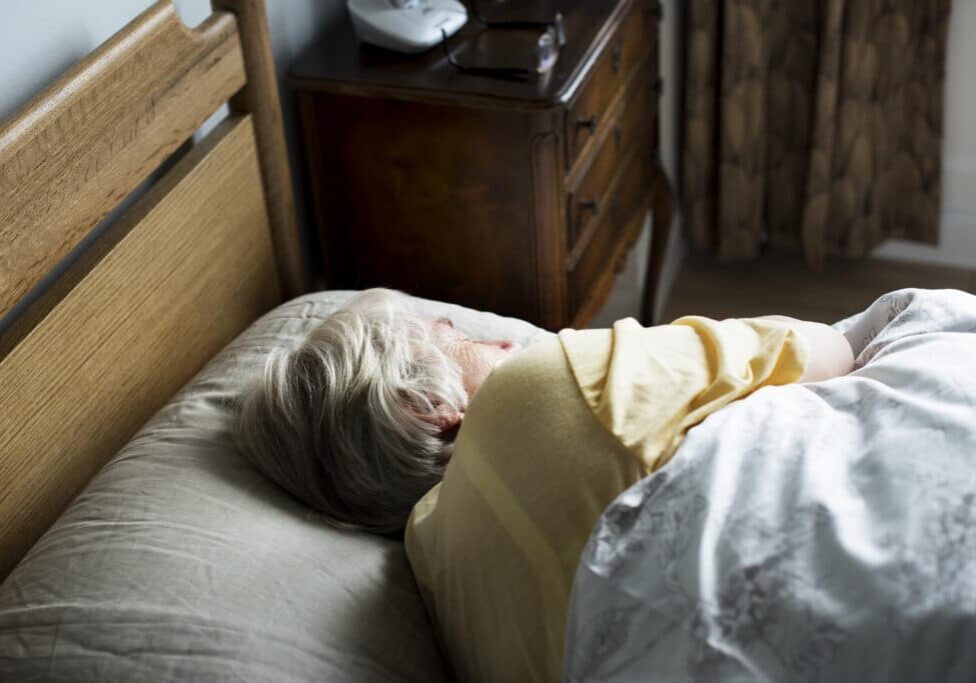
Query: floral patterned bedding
(819,532)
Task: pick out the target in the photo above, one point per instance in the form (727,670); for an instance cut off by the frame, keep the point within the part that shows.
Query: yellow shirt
(549,440)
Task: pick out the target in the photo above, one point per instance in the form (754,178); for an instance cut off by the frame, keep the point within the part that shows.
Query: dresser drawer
(592,270)
(630,131)
(634,39)
(631,202)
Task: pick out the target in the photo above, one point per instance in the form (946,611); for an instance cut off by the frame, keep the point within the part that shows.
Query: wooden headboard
(101,323)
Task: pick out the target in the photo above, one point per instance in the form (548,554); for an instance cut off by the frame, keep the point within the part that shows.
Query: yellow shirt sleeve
(494,546)
(649,386)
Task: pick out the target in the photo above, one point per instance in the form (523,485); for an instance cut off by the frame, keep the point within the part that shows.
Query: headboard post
(260,99)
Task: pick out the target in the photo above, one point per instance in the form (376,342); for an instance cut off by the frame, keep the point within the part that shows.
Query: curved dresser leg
(661,231)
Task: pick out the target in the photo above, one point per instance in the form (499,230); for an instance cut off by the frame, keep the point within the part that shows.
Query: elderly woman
(497,461)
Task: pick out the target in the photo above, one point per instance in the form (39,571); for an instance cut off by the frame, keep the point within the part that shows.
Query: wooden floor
(786,286)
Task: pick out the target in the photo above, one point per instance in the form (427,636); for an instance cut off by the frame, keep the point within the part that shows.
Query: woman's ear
(444,418)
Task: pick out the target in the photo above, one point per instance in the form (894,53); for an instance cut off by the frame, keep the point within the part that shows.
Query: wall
(957,242)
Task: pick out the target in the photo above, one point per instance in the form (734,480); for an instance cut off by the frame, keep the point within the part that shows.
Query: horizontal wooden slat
(70,156)
(195,269)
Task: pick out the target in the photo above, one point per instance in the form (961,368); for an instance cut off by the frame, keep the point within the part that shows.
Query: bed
(140,284)
(137,545)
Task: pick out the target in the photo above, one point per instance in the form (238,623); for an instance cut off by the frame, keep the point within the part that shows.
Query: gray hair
(339,420)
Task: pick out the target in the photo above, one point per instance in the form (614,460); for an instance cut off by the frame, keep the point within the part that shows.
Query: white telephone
(406,25)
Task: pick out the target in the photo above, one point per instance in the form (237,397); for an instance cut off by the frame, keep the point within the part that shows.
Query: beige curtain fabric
(813,124)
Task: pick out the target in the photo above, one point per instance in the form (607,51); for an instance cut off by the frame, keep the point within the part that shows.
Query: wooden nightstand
(517,197)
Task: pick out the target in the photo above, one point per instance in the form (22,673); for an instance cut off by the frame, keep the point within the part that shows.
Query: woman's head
(476,358)
(358,421)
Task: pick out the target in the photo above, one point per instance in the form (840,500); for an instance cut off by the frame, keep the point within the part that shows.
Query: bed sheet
(818,532)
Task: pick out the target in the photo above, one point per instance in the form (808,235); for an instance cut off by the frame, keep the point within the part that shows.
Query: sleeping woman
(496,461)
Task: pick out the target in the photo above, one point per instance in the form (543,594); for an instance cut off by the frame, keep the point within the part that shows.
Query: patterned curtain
(814,124)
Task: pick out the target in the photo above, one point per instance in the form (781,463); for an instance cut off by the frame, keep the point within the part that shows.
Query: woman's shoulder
(537,370)
(534,389)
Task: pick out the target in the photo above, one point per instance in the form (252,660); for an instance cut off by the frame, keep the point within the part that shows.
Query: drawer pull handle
(589,205)
(616,53)
(589,123)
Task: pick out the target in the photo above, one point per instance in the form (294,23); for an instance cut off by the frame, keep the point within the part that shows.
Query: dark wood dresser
(519,197)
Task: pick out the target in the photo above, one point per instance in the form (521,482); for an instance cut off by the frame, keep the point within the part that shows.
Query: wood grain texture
(477,202)
(592,277)
(630,44)
(438,205)
(195,269)
(624,131)
(550,239)
(339,63)
(260,99)
(71,155)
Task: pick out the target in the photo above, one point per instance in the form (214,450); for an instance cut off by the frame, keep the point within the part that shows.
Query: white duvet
(819,532)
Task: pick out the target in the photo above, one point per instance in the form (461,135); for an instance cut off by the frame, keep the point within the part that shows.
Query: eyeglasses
(547,48)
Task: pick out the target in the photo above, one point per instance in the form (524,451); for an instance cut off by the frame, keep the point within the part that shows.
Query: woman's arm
(830,352)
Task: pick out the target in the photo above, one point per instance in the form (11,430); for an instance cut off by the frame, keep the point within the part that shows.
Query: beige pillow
(180,562)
